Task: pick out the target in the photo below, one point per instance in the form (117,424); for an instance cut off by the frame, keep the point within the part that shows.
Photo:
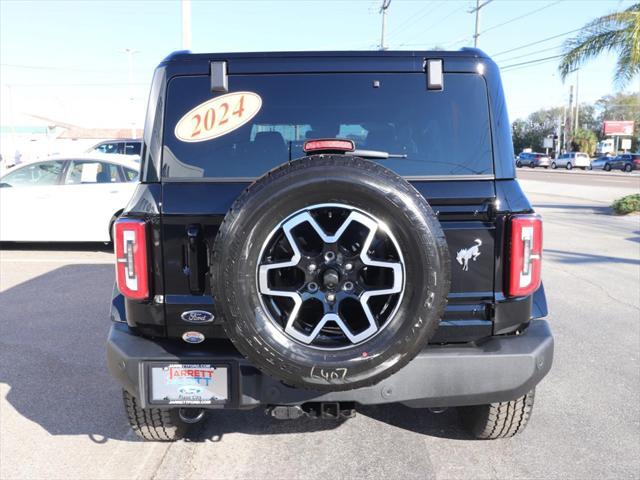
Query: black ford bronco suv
(318,231)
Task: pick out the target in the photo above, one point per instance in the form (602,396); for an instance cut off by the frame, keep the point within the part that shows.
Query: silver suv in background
(572,159)
(532,159)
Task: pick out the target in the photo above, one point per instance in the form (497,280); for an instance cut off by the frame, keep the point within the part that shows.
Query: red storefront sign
(618,127)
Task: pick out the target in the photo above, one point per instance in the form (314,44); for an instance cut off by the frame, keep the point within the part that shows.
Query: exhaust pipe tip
(191,415)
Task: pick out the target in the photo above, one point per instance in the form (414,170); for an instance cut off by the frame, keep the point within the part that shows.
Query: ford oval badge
(191,390)
(197,316)
(193,337)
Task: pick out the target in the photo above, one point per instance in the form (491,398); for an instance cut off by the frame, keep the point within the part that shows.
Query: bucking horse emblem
(463,256)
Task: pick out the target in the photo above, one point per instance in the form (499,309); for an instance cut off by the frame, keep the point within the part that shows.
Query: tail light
(636,161)
(526,255)
(132,272)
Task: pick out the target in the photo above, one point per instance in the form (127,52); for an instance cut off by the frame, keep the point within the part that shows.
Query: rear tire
(519,164)
(498,420)
(627,167)
(553,165)
(153,424)
(607,167)
(569,166)
(531,165)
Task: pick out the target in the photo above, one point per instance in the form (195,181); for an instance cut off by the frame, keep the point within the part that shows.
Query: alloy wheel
(331,276)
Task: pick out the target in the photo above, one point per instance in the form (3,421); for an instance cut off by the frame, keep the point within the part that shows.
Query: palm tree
(618,32)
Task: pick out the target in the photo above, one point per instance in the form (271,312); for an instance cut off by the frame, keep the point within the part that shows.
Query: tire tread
(498,420)
(153,424)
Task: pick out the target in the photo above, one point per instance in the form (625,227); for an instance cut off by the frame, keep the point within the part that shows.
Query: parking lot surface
(61,414)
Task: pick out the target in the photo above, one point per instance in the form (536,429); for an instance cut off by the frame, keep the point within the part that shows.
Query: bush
(628,204)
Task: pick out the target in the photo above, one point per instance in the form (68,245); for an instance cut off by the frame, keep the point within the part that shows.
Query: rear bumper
(500,369)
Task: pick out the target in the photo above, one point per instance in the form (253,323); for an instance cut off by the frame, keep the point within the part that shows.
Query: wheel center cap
(330,279)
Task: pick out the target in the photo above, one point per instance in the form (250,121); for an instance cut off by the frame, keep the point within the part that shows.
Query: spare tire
(330,273)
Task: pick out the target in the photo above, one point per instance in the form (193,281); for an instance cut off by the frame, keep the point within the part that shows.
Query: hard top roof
(186,55)
(463,60)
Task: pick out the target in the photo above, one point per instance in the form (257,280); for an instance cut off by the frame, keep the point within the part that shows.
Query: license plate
(189,384)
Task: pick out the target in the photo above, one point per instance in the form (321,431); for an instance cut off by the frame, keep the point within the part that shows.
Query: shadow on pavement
(636,238)
(255,422)
(564,256)
(58,246)
(598,210)
(53,331)
(419,420)
(52,352)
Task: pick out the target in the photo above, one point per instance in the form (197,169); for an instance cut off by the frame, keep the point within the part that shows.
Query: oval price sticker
(218,116)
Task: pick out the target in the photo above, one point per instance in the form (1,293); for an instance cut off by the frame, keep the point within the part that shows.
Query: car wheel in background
(589,167)
(553,165)
(569,166)
(627,167)
(112,223)
(519,164)
(607,167)
(531,165)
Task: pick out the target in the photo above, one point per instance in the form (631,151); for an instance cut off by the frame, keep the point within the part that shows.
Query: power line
(410,19)
(539,60)
(522,16)
(530,53)
(536,42)
(420,17)
(456,10)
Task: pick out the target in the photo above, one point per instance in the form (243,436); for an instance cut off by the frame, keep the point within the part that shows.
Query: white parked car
(71,199)
(572,159)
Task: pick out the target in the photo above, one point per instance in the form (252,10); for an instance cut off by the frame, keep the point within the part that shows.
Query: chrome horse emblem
(472,253)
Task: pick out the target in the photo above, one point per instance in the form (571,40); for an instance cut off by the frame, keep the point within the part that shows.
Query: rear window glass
(440,132)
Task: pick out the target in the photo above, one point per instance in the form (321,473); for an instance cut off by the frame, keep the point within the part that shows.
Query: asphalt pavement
(61,414)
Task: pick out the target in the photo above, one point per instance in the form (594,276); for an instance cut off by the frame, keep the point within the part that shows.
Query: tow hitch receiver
(323,410)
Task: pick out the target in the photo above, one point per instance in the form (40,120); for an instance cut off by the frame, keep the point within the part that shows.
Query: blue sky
(65,59)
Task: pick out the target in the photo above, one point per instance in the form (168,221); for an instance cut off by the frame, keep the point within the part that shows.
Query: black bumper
(500,369)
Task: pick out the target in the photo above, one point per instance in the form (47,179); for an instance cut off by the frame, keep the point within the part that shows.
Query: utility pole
(477,12)
(186,24)
(576,124)
(569,122)
(558,145)
(130,52)
(383,11)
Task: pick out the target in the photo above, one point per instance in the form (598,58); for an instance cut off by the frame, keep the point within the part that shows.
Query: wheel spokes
(307,332)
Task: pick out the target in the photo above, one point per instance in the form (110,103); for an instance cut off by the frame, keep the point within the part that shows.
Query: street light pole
(383,11)
(130,52)
(186,24)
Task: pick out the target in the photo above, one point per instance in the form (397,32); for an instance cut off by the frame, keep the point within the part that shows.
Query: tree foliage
(530,132)
(617,32)
(584,141)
